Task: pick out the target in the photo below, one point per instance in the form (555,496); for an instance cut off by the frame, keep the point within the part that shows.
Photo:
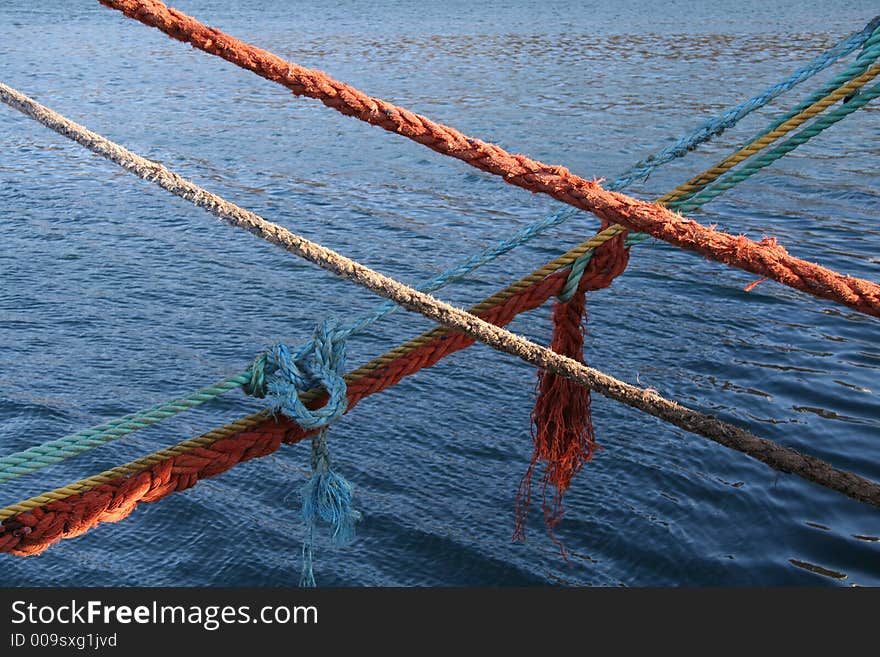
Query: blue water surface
(115,296)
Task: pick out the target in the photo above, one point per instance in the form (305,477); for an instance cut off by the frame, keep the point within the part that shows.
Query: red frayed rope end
(562,427)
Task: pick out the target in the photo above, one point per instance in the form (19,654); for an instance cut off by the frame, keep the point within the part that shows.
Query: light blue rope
(461,270)
(755,164)
(579,265)
(867,38)
(718,125)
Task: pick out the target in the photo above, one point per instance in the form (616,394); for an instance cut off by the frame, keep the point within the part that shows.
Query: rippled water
(114,295)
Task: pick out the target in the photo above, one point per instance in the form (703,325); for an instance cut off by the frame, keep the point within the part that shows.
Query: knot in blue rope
(319,363)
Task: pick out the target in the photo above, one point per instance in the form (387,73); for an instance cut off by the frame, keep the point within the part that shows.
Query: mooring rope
(779,457)
(766,259)
(579,264)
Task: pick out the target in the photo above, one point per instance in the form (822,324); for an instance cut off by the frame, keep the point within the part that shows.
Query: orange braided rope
(765,258)
(33,531)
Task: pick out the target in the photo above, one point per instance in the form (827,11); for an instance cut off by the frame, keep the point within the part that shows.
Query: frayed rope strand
(562,426)
(326,496)
(284,376)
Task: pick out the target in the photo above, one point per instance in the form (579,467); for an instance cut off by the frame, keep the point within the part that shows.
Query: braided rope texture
(767,158)
(766,258)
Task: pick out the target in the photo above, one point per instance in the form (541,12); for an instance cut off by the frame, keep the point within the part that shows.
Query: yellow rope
(562,261)
(700,181)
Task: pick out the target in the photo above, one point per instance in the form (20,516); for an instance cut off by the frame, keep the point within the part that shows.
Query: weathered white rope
(776,456)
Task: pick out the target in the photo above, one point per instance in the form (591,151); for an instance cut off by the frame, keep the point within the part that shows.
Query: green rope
(769,157)
(41,456)
(578,266)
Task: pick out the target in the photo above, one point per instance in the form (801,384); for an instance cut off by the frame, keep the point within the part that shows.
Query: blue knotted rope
(325,496)
(770,156)
(284,376)
(320,363)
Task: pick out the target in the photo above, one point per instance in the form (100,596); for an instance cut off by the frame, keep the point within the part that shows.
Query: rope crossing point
(473,327)
(221,448)
(866,38)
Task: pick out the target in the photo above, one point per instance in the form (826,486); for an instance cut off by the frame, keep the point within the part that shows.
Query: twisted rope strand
(36,458)
(769,157)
